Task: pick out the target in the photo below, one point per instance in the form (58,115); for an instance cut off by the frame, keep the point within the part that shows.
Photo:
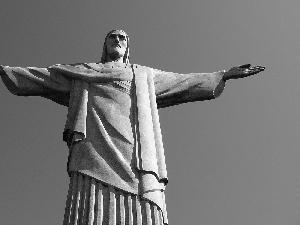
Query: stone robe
(112,127)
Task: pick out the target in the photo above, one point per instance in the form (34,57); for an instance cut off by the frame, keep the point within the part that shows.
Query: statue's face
(116,43)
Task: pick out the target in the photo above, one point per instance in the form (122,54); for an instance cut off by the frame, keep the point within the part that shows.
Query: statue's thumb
(245,66)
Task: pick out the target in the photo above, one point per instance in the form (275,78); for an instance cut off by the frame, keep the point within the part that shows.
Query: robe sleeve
(32,81)
(173,88)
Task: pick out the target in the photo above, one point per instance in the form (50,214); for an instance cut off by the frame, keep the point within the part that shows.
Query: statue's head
(116,44)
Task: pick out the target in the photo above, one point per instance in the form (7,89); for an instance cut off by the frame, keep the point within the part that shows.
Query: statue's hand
(242,71)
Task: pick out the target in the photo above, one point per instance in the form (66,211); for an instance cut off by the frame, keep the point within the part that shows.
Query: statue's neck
(115,58)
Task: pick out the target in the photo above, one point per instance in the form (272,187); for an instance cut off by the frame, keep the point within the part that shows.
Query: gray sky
(231,161)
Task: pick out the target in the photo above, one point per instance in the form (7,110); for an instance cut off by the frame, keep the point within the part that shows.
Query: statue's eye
(122,37)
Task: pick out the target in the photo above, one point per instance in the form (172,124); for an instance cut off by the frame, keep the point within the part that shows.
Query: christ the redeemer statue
(116,164)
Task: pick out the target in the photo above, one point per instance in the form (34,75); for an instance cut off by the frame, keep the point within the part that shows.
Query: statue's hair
(104,51)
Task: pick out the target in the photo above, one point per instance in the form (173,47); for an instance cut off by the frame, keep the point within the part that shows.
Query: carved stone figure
(116,164)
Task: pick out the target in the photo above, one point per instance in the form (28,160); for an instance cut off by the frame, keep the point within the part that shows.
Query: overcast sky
(234,160)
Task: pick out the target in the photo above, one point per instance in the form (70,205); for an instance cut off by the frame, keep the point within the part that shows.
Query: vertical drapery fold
(90,202)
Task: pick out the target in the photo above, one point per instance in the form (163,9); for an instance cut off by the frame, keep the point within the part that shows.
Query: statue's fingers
(253,71)
(260,68)
(256,69)
(249,72)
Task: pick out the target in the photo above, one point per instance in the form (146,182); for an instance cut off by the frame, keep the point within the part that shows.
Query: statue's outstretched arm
(33,81)
(173,88)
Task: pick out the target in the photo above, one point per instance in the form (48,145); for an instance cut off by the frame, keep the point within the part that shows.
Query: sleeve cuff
(221,85)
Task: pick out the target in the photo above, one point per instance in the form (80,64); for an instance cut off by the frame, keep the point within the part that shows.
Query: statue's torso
(107,152)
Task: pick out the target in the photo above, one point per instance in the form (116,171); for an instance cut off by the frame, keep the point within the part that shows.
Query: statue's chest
(121,79)
(123,73)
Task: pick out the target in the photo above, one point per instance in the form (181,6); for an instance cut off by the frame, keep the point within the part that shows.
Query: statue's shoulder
(87,65)
(96,66)
(137,66)
(93,66)
(70,65)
